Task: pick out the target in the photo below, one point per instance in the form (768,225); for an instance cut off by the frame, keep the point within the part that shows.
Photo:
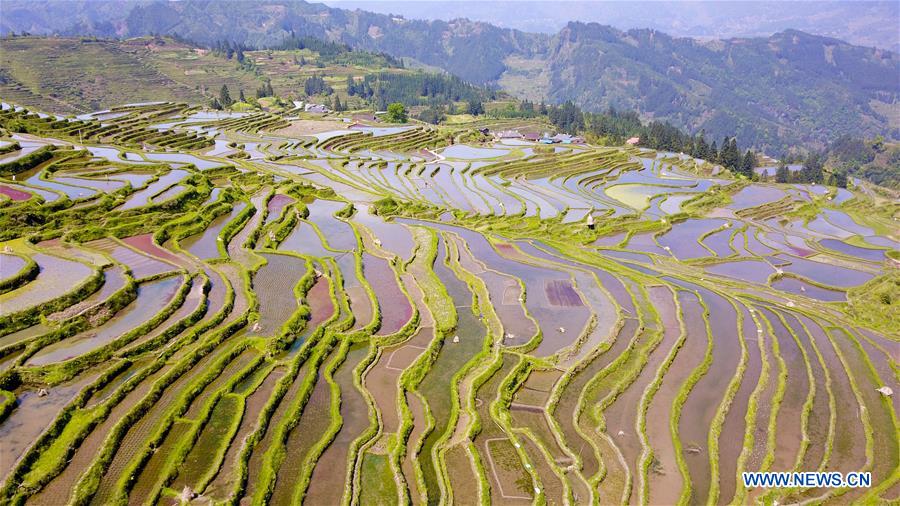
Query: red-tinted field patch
(276,204)
(561,293)
(14,194)
(144,243)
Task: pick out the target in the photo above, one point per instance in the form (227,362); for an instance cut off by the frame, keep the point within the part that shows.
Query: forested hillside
(788,88)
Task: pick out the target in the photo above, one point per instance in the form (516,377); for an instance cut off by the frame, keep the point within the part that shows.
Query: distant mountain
(860,22)
(776,91)
(790,87)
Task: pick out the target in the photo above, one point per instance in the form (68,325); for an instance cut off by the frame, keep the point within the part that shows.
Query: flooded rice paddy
(379,324)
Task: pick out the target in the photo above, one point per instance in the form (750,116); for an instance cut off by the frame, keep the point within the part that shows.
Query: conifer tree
(225,97)
(748,163)
(782,174)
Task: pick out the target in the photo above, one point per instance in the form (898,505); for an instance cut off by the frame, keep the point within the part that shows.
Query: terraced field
(195,309)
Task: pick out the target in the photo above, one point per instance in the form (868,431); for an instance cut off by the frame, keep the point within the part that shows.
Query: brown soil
(307,127)
(381,380)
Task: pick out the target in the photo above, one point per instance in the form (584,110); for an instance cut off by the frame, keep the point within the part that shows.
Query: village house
(567,139)
(316,108)
(508,134)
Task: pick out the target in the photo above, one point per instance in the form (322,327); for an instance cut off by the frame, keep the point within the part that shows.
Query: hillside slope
(71,75)
(787,88)
(79,75)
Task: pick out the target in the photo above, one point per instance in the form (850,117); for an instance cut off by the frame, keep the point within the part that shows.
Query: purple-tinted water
(874,255)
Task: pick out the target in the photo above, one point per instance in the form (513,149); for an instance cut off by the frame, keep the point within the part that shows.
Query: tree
(475,107)
(351,86)
(225,97)
(567,117)
(748,163)
(338,106)
(782,174)
(241,97)
(265,91)
(396,113)
(730,157)
(812,169)
(316,85)
(840,179)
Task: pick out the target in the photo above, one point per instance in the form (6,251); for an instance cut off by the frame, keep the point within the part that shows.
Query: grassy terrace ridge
(201,306)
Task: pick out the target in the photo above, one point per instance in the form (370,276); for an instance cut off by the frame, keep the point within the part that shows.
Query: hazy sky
(870,23)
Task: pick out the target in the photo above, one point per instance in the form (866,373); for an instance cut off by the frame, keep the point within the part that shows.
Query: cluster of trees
(850,153)
(729,156)
(419,88)
(229,49)
(614,127)
(336,52)
(812,172)
(436,113)
(475,107)
(358,88)
(885,174)
(316,85)
(224,100)
(567,117)
(663,136)
(620,125)
(522,109)
(323,47)
(264,91)
(847,156)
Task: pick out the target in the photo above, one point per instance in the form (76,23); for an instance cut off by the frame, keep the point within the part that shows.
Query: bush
(27,162)
(396,113)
